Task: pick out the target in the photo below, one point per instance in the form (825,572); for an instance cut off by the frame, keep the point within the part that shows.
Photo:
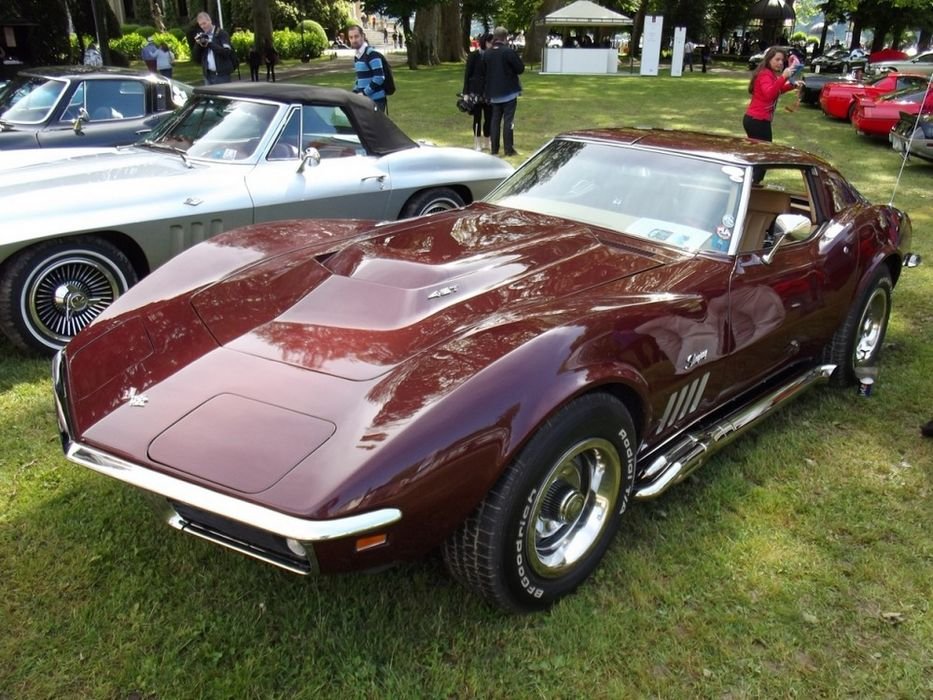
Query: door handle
(381,179)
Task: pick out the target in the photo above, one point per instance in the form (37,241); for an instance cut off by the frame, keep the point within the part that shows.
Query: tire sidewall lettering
(521,570)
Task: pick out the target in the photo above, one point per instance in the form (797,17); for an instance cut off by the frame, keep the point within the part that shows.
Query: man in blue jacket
(502,66)
(370,73)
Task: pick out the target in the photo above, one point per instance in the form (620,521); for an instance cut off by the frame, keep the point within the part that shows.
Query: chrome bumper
(297,534)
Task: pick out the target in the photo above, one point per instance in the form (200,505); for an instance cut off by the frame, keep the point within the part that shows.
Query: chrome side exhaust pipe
(679,460)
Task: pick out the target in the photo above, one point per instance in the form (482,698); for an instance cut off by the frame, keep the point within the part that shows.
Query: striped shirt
(370,75)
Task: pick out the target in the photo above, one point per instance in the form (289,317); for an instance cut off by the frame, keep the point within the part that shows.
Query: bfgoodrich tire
(857,343)
(52,290)
(546,524)
(431,201)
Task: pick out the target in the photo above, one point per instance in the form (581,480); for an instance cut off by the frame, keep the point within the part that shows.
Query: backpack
(389,85)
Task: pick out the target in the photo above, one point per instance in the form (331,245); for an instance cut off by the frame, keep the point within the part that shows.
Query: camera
(202,38)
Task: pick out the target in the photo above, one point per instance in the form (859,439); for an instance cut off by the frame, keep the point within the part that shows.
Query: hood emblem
(442,292)
(134,398)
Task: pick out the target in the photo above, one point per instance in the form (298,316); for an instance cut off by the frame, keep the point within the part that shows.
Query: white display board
(677,60)
(651,44)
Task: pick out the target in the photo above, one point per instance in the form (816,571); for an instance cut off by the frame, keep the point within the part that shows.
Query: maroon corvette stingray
(498,381)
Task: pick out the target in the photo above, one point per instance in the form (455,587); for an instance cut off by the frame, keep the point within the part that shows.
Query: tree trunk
(422,45)
(262,24)
(450,45)
(536,36)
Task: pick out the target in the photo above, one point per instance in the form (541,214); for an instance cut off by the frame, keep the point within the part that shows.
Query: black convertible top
(378,134)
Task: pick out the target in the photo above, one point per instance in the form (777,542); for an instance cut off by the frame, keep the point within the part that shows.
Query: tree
(262,25)
(449,45)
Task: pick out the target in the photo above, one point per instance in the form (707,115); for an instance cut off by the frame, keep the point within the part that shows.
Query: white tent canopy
(584,13)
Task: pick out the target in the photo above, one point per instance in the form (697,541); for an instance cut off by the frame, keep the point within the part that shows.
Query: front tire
(857,343)
(546,524)
(52,290)
(431,201)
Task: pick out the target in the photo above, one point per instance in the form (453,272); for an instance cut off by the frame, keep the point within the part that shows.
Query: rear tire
(857,343)
(52,290)
(431,201)
(546,524)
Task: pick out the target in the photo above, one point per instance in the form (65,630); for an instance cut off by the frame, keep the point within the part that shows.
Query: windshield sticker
(735,173)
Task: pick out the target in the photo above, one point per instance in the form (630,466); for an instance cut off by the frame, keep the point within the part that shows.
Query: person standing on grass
(148,54)
(165,59)
(370,74)
(501,68)
(473,85)
(769,81)
(213,50)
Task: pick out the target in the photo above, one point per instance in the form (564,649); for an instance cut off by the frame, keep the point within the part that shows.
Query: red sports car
(840,99)
(499,381)
(876,117)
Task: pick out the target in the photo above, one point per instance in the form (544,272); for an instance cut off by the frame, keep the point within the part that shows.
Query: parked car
(915,130)
(500,380)
(77,232)
(813,84)
(72,106)
(921,63)
(840,61)
(876,117)
(840,99)
(756,58)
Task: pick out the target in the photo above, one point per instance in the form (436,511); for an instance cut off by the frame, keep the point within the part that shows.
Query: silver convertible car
(78,231)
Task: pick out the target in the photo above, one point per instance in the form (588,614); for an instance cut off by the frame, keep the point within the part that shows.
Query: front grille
(249,540)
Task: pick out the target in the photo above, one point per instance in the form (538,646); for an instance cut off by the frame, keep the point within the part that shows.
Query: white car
(79,230)
(921,63)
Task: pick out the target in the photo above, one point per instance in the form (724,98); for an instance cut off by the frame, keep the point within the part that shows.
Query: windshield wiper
(166,147)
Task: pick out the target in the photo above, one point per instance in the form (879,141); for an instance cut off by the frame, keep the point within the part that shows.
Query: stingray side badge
(135,399)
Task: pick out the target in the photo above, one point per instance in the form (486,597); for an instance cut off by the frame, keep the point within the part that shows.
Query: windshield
(217,128)
(660,196)
(30,100)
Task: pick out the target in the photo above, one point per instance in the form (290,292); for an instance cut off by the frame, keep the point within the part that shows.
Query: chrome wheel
(432,201)
(54,289)
(871,328)
(440,204)
(573,506)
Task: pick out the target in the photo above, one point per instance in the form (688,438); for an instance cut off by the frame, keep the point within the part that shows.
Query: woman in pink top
(768,82)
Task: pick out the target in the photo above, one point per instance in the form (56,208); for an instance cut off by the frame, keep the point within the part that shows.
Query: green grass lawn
(798,563)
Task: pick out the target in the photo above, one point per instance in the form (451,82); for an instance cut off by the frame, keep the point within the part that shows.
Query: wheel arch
(125,243)
(129,247)
(465,193)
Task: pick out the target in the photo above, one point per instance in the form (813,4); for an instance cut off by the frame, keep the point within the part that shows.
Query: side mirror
(311,158)
(796,227)
(78,123)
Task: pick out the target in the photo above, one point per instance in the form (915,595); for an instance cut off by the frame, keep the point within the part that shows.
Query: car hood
(111,187)
(369,307)
(14,159)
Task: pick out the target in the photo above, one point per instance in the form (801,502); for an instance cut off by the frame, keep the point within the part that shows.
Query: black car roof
(378,134)
(81,71)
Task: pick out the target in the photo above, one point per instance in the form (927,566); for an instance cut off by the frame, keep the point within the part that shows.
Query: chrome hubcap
(871,328)
(72,298)
(66,294)
(573,507)
(439,205)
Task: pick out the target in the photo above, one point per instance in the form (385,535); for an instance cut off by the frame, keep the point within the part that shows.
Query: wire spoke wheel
(66,295)
(54,289)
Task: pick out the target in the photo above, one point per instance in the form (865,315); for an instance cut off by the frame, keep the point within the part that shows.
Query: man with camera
(213,50)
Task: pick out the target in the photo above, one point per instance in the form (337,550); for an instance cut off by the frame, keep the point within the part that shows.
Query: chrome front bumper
(297,535)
